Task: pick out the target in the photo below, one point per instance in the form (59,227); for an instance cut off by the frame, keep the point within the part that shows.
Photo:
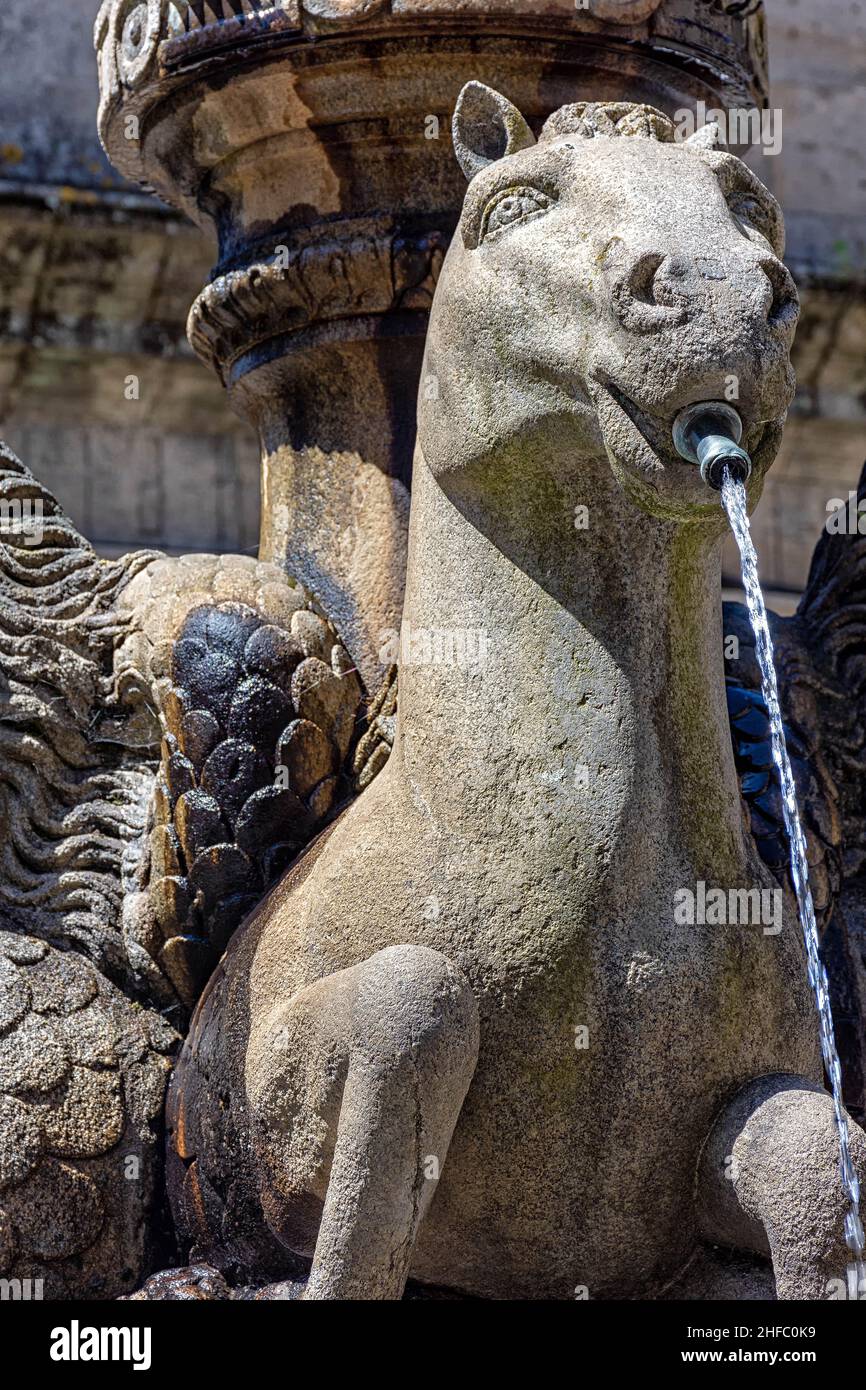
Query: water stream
(734,502)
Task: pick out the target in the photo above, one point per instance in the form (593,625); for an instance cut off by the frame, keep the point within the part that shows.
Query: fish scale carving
(260,717)
(80,1109)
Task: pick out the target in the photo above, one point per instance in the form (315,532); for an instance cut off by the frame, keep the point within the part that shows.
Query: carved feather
(259,704)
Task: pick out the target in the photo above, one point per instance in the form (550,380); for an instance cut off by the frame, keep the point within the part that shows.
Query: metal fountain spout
(708,433)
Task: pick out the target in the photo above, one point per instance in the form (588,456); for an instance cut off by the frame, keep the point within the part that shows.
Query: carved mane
(591,118)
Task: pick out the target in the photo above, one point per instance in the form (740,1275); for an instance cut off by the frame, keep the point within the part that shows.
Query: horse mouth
(634,435)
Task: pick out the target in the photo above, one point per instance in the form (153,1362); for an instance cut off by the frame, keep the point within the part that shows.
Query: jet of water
(734,502)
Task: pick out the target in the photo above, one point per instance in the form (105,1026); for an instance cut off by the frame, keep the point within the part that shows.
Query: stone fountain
(464,1037)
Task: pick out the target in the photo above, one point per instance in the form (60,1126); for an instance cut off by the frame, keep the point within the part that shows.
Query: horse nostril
(651,293)
(640,283)
(784,305)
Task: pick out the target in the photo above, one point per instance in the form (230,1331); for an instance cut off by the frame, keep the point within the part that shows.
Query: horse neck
(589,703)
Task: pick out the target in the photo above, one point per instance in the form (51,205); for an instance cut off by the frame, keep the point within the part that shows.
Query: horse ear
(706,137)
(486,127)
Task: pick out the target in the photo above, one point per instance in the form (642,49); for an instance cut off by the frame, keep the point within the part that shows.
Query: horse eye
(512,206)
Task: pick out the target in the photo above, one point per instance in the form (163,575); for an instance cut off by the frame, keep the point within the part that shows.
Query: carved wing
(82,1077)
(259,705)
(378,728)
(750,734)
(82,1067)
(147,706)
(821,662)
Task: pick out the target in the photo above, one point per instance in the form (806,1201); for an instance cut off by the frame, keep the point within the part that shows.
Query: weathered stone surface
(222,639)
(21,1142)
(127,810)
(198,1283)
(14,995)
(599,280)
(272,652)
(60,1215)
(30,1059)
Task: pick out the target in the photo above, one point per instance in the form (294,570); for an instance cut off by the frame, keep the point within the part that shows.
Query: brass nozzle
(708,433)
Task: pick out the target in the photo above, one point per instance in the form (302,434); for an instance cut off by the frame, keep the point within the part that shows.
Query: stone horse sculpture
(174,732)
(382,1075)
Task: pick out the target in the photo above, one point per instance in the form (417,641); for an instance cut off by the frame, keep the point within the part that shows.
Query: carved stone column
(313,138)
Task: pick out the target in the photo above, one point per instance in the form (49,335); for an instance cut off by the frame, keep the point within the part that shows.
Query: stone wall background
(96,280)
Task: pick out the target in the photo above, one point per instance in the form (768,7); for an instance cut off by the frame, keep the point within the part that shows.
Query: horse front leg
(382,1055)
